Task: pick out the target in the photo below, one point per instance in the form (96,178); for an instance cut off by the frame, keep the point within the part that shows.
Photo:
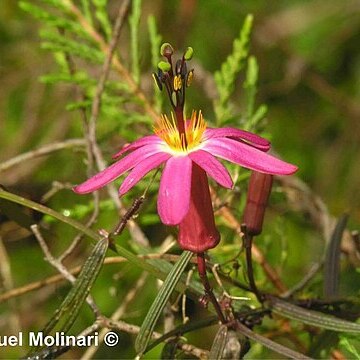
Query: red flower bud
(197,231)
(257,198)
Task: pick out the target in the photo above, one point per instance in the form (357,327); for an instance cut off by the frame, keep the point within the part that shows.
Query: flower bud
(257,198)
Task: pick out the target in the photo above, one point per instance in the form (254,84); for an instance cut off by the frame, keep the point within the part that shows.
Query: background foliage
(307,65)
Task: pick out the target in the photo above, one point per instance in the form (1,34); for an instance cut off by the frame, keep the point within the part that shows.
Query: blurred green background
(309,77)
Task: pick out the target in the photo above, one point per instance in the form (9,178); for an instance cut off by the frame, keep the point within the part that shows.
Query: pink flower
(189,150)
(199,146)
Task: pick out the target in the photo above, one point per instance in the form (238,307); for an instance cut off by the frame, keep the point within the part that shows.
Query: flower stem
(247,238)
(201,262)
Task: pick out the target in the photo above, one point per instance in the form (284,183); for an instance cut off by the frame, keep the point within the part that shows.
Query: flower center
(167,130)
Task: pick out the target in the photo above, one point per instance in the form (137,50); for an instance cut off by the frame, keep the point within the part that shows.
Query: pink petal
(247,156)
(141,169)
(213,167)
(146,140)
(117,169)
(253,139)
(174,193)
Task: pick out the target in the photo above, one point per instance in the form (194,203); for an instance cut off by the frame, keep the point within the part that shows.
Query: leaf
(350,348)
(160,301)
(225,78)
(332,259)
(218,345)
(134,21)
(66,314)
(57,42)
(280,349)
(155,42)
(311,317)
(53,20)
(102,16)
(250,85)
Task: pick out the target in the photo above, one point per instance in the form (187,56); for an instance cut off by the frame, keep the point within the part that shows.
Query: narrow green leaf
(225,78)
(311,317)
(85,4)
(280,349)
(250,85)
(134,21)
(255,119)
(159,303)
(218,345)
(56,42)
(332,259)
(66,314)
(350,348)
(53,20)
(155,42)
(102,15)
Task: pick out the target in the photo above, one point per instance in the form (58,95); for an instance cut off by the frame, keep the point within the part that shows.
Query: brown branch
(59,266)
(44,150)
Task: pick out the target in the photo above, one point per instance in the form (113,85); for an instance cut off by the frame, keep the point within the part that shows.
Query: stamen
(190,77)
(167,130)
(177,83)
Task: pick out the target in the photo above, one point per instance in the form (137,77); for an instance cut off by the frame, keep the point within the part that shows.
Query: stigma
(178,142)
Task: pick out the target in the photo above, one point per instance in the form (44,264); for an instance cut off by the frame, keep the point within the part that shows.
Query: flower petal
(213,167)
(247,156)
(254,140)
(146,140)
(141,169)
(174,193)
(117,169)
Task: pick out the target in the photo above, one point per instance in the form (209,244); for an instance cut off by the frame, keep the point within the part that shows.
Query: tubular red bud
(257,198)
(197,231)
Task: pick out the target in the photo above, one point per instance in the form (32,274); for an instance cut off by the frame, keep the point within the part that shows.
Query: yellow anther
(190,78)
(177,83)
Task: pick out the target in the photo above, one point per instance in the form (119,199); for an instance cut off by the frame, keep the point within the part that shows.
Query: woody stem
(201,262)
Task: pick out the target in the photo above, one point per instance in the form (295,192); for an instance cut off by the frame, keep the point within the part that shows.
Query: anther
(166,50)
(177,83)
(189,53)
(178,66)
(157,81)
(164,66)
(189,77)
